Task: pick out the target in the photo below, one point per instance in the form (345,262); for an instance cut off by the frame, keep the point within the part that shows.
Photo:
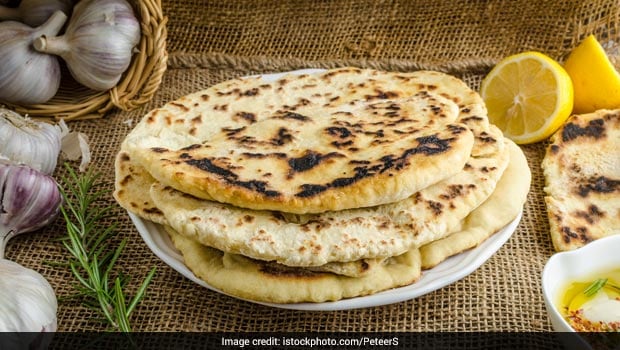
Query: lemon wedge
(595,79)
(528,96)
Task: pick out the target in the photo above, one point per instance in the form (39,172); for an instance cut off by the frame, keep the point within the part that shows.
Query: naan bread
(246,278)
(335,236)
(582,172)
(497,211)
(342,139)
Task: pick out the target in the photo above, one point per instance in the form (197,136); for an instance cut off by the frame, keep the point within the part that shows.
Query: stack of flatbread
(319,187)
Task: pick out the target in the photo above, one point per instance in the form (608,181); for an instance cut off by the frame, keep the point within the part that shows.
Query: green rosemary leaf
(55,263)
(115,257)
(121,310)
(101,285)
(141,291)
(79,277)
(595,287)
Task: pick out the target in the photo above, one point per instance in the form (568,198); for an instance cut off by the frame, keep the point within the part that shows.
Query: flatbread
(246,278)
(496,212)
(342,139)
(340,236)
(582,173)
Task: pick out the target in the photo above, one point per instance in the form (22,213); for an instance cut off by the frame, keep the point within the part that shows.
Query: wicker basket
(137,86)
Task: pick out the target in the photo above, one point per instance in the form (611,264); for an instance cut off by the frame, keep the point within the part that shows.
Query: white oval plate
(449,271)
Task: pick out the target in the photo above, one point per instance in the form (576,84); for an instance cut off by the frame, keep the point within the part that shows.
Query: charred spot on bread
(436,207)
(338,131)
(124,157)
(292,115)
(594,129)
(126,180)
(592,215)
(152,211)
(310,160)
(232,178)
(282,137)
(181,106)
(578,234)
(600,184)
(246,116)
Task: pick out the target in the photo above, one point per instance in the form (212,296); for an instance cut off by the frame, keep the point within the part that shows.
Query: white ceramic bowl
(565,267)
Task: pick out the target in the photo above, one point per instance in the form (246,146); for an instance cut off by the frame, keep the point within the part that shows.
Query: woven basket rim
(137,85)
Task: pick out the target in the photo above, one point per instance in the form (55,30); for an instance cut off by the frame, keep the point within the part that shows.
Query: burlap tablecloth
(210,41)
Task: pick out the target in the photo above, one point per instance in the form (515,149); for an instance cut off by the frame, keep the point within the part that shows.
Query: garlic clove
(26,75)
(29,200)
(98,42)
(26,141)
(27,300)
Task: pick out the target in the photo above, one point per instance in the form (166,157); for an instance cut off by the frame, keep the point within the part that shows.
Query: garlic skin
(25,141)
(27,300)
(29,200)
(35,12)
(98,42)
(26,75)
(75,146)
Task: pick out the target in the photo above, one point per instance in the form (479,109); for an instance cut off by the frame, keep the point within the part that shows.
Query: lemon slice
(528,96)
(595,79)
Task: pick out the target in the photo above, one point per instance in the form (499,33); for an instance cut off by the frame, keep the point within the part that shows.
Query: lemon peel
(595,79)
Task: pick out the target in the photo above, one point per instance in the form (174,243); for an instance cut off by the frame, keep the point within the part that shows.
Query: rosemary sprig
(595,287)
(92,261)
(598,285)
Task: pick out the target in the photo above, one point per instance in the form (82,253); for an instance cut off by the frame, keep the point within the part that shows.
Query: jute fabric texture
(210,42)
(422,31)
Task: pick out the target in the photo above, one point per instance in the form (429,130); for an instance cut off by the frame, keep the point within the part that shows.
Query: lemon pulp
(528,96)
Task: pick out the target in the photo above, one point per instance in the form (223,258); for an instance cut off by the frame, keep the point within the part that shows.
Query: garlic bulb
(29,142)
(28,76)
(27,300)
(35,12)
(29,200)
(98,42)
